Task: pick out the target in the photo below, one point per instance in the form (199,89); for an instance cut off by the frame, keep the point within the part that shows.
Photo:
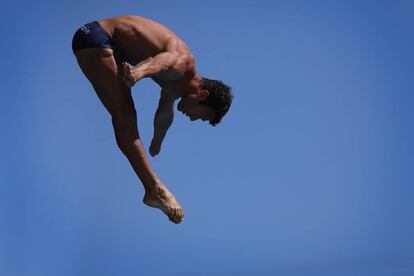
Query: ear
(203,94)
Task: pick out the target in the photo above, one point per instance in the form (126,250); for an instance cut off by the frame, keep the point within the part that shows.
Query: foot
(162,199)
(128,76)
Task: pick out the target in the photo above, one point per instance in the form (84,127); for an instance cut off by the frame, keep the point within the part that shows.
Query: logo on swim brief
(85,29)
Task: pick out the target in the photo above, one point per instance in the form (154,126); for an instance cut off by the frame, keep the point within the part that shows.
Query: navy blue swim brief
(91,35)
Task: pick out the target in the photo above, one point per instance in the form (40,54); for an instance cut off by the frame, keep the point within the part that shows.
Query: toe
(174,219)
(171,215)
(176,216)
(179,215)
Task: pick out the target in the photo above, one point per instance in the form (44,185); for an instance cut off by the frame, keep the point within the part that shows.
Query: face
(190,106)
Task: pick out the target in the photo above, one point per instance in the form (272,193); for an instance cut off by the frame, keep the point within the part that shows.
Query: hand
(128,75)
(155,147)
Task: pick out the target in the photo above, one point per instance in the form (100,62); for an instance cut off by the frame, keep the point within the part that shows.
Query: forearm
(162,122)
(154,65)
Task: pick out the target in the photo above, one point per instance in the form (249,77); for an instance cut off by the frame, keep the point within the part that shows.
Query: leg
(101,69)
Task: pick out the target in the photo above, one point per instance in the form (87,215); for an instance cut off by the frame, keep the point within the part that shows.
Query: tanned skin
(157,53)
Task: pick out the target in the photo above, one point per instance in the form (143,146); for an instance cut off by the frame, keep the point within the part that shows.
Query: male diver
(114,54)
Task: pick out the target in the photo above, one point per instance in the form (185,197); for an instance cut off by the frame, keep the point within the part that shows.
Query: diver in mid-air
(117,52)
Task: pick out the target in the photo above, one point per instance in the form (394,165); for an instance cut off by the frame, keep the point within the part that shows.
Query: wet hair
(219,98)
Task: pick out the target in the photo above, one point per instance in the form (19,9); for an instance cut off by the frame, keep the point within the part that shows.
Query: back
(137,38)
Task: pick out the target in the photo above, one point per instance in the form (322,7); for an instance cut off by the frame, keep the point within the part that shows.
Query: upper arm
(179,58)
(170,56)
(172,45)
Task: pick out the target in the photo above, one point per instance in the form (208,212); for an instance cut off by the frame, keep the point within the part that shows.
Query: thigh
(104,72)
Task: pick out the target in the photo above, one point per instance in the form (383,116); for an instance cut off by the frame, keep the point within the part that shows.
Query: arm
(160,63)
(162,121)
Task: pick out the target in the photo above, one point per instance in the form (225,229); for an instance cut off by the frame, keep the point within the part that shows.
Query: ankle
(154,186)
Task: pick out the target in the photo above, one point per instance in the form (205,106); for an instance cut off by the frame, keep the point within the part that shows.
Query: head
(211,102)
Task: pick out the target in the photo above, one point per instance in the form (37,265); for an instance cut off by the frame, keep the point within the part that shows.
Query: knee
(126,130)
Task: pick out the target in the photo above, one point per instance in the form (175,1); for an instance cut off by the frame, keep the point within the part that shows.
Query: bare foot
(128,75)
(162,199)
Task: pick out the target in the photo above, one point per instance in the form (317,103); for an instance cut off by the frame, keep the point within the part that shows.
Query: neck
(187,86)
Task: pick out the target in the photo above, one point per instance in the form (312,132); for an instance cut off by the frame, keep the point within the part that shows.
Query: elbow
(173,59)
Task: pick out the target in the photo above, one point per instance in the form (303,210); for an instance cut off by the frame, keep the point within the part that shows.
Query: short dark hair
(219,98)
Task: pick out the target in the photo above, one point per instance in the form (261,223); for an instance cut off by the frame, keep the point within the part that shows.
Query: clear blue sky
(311,172)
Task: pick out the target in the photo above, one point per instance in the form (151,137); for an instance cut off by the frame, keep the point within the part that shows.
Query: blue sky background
(311,172)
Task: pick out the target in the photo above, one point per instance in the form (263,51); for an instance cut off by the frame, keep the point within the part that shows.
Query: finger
(124,67)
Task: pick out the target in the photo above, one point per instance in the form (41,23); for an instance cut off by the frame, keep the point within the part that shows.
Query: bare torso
(137,38)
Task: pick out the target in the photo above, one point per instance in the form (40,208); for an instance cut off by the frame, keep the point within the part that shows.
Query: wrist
(156,140)
(138,74)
